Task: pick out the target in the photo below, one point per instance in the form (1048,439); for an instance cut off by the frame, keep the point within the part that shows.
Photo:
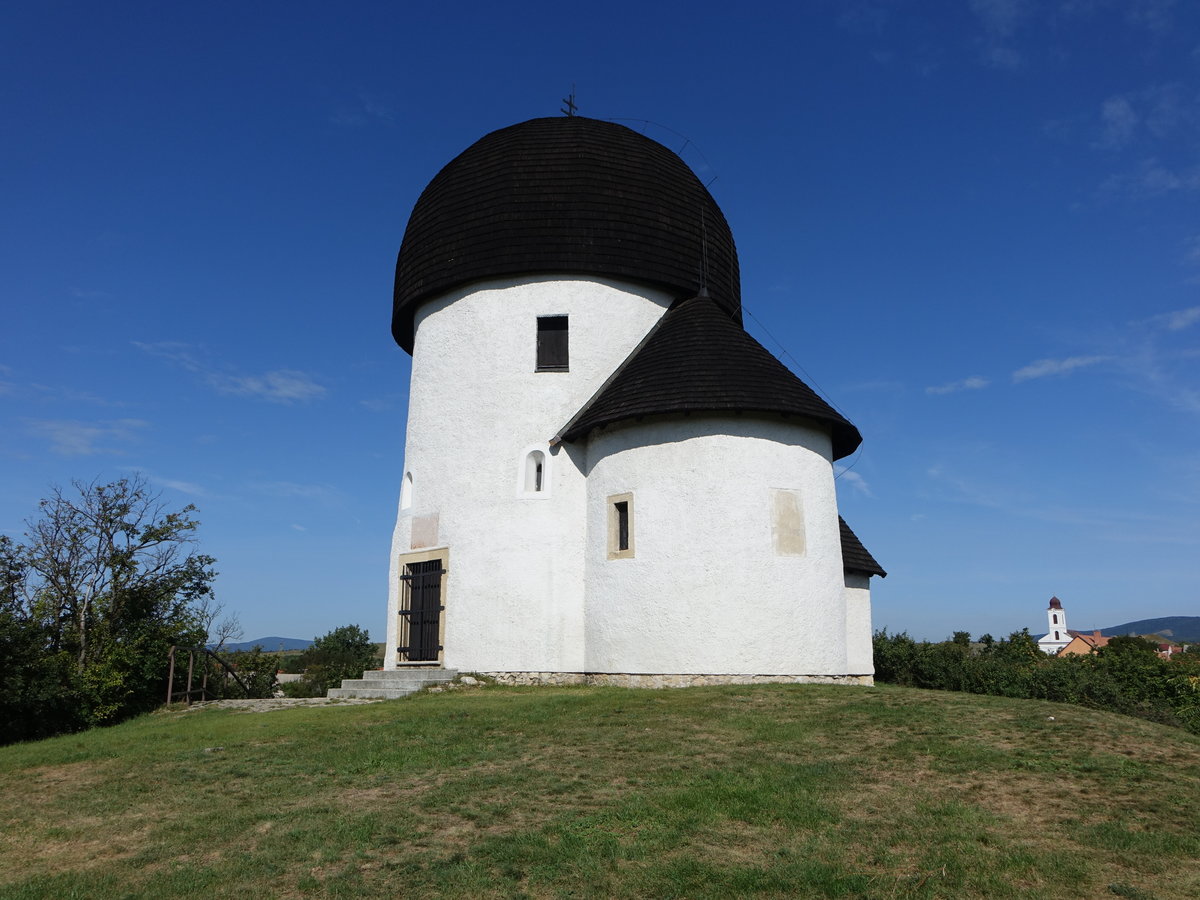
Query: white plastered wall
(707,589)
(514,594)
(860,651)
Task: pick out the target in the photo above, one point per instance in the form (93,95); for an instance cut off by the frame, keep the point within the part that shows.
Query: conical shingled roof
(855,557)
(696,359)
(567,195)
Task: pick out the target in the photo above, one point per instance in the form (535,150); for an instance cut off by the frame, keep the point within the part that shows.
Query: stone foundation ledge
(624,679)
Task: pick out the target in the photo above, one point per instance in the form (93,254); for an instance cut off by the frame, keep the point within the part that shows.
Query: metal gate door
(421,612)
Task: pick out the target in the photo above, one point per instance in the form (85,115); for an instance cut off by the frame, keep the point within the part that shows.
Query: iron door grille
(421,612)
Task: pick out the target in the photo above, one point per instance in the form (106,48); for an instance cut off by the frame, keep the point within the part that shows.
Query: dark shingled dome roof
(570,195)
(696,359)
(855,557)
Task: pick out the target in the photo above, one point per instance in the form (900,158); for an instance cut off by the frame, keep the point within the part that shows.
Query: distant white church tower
(1056,636)
(605,477)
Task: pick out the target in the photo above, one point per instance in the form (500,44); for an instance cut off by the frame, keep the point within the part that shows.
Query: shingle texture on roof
(570,195)
(696,359)
(855,557)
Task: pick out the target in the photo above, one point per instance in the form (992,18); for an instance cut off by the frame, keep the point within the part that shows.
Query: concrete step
(430,675)
(391,684)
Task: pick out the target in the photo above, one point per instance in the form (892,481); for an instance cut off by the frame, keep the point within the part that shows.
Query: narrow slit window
(552,353)
(620,526)
(622,509)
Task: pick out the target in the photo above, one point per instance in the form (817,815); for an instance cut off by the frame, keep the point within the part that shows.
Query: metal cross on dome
(570,101)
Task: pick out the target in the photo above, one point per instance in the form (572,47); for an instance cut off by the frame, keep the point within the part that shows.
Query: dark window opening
(552,353)
(622,525)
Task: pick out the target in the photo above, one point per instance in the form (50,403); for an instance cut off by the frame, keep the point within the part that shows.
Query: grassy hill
(771,790)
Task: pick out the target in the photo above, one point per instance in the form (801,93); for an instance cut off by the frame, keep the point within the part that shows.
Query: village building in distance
(1063,641)
(1060,640)
(606,478)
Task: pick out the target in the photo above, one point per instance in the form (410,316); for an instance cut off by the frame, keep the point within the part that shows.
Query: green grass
(776,791)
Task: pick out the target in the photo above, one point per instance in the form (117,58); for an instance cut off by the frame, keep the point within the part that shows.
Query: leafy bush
(257,671)
(345,652)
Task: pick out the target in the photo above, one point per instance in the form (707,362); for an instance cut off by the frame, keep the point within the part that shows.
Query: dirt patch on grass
(46,784)
(84,847)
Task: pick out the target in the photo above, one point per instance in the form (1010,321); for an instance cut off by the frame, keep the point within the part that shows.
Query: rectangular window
(620,526)
(552,353)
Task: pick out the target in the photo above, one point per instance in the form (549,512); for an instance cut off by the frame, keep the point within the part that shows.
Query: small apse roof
(570,195)
(696,359)
(855,557)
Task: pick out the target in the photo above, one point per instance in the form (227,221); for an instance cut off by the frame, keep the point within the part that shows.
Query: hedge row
(1129,678)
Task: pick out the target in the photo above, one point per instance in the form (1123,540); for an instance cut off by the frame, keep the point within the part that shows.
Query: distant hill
(1177,628)
(270,644)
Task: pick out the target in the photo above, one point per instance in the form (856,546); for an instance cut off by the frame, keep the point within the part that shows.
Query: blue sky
(972,225)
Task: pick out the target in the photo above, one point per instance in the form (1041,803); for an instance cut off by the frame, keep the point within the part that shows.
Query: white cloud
(73,438)
(974,383)
(279,386)
(1178,319)
(1158,372)
(276,386)
(184,487)
(1044,367)
(853,479)
(1157,113)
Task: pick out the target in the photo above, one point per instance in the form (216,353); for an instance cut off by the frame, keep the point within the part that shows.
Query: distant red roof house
(1082,644)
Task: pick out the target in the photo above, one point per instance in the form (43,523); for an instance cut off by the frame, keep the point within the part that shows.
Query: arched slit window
(406,489)
(535,472)
(1054,618)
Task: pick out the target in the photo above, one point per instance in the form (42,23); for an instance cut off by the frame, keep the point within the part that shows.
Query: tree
(1129,645)
(342,653)
(108,578)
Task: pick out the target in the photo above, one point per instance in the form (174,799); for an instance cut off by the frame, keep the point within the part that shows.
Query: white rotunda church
(606,478)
